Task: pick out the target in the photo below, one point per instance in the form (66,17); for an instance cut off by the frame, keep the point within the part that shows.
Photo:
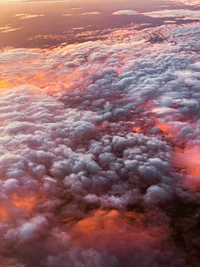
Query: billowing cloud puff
(100,152)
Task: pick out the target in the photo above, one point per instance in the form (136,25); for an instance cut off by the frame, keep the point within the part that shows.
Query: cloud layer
(99,152)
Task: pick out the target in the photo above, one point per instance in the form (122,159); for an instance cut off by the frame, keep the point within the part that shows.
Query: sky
(45,24)
(99,133)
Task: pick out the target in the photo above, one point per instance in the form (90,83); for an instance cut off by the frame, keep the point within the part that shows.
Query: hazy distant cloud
(170,21)
(176,13)
(27,16)
(125,12)
(91,13)
(187,2)
(11,1)
(76,8)
(14,1)
(9,28)
(78,28)
(67,15)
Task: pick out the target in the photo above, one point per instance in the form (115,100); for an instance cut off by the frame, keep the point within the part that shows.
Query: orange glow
(3,214)
(27,203)
(102,127)
(3,84)
(50,82)
(101,219)
(137,129)
(179,150)
(192,162)
(189,161)
(168,128)
(165,128)
(88,224)
(116,229)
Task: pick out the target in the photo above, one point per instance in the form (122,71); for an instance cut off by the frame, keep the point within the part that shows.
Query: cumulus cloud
(100,152)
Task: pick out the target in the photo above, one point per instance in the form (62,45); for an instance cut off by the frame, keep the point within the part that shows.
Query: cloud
(91,13)
(78,28)
(67,15)
(9,28)
(100,151)
(28,16)
(10,1)
(125,12)
(16,1)
(176,13)
(186,2)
